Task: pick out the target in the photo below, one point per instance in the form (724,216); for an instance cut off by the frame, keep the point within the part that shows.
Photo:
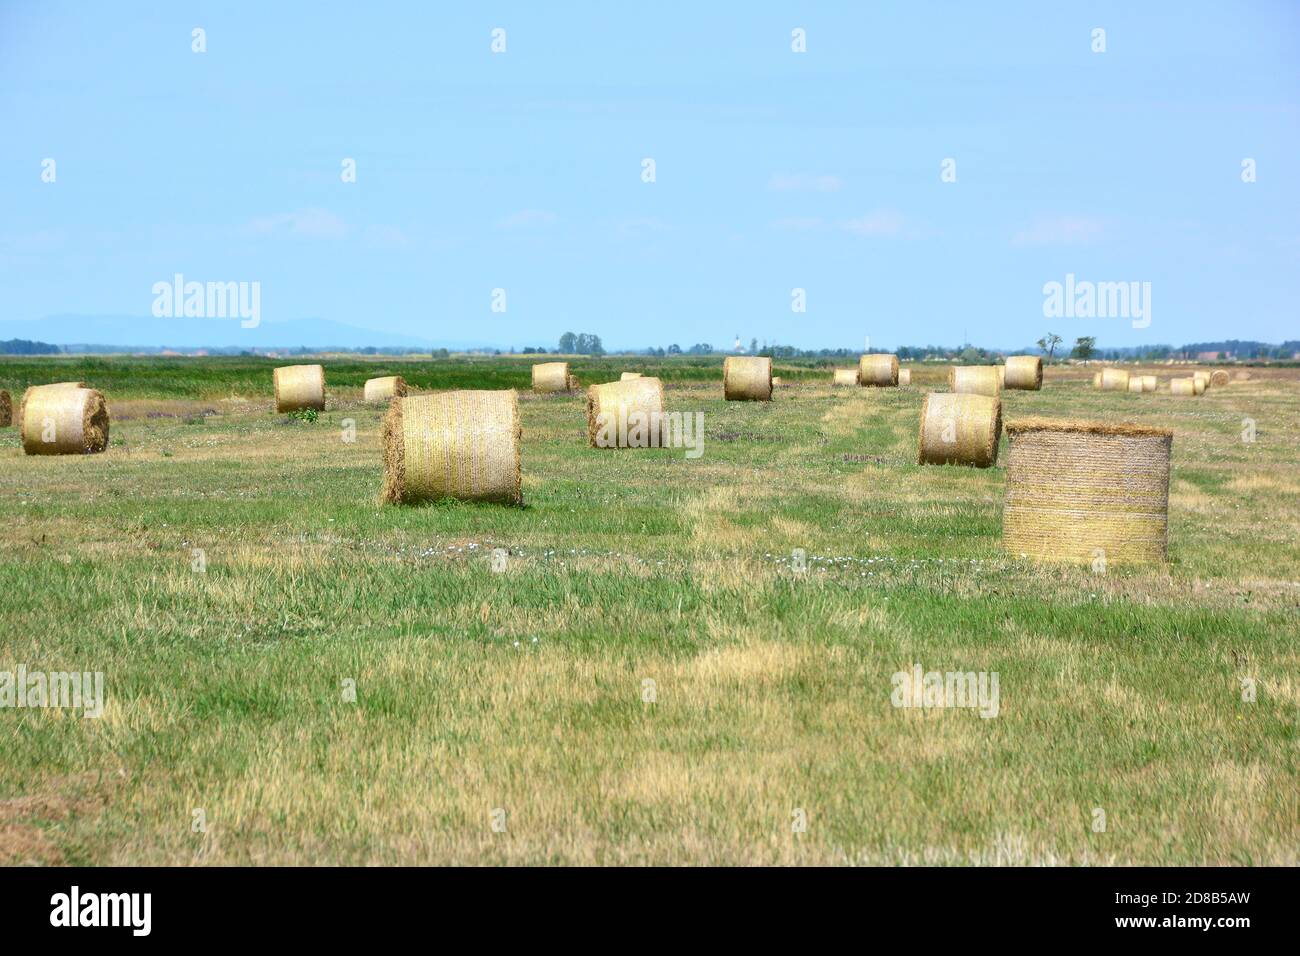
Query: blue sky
(775,170)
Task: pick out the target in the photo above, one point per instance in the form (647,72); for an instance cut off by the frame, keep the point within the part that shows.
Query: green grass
(523,690)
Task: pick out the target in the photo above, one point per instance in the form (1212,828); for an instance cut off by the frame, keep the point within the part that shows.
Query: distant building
(1212,356)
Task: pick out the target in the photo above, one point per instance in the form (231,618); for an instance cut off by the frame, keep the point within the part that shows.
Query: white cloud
(803,182)
(638,228)
(1059,230)
(302,224)
(882,222)
(527,218)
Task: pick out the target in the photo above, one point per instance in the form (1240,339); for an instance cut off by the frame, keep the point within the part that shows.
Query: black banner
(335,906)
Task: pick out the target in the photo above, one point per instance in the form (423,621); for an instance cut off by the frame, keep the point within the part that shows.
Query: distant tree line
(583,343)
(27,347)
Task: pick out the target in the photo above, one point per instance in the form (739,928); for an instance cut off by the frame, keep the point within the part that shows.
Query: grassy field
(524,691)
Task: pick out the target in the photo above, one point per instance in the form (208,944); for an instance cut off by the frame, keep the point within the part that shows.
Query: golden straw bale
(460,444)
(1149,383)
(6,409)
(845,376)
(747,378)
(1218,377)
(974,380)
(1024,372)
(878,370)
(1199,385)
(1114,379)
(299,386)
(553,377)
(904,376)
(1183,386)
(1135,384)
(64,421)
(384,388)
(1083,491)
(959,429)
(625,414)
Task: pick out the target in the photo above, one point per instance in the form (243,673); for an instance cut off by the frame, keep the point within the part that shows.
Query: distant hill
(127,332)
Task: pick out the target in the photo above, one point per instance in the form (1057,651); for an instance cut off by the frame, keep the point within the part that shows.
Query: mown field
(524,691)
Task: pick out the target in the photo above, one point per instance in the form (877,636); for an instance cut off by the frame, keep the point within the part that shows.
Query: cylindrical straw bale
(747,378)
(552,377)
(384,388)
(1135,384)
(878,370)
(845,376)
(64,421)
(1114,379)
(1149,383)
(974,380)
(298,387)
(626,414)
(1024,372)
(1218,377)
(904,376)
(460,444)
(1086,491)
(959,429)
(1183,386)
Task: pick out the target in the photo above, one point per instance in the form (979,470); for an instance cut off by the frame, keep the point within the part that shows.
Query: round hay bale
(299,386)
(878,370)
(384,388)
(845,376)
(1135,384)
(6,409)
(1183,386)
(1114,380)
(627,376)
(959,429)
(1202,375)
(462,444)
(1149,383)
(1218,377)
(1080,491)
(1024,372)
(64,421)
(747,378)
(974,380)
(625,414)
(550,377)
(904,376)
(18,419)
(1200,385)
